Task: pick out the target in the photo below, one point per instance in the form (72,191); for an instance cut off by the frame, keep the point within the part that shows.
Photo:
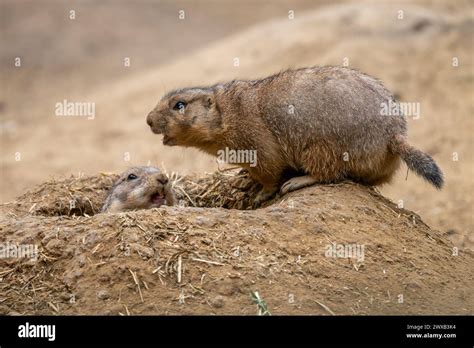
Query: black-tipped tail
(419,162)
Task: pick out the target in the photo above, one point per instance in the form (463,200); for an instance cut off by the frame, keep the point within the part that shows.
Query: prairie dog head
(186,117)
(139,188)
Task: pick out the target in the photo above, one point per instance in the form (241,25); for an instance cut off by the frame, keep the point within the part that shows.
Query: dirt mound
(413,56)
(332,249)
(84,196)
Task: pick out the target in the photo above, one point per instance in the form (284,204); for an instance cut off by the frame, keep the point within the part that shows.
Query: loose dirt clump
(330,249)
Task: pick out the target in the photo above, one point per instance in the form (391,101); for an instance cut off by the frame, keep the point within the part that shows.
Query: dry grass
(199,258)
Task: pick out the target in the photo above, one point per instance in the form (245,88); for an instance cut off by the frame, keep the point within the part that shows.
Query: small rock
(103,295)
(205,221)
(218,301)
(65,296)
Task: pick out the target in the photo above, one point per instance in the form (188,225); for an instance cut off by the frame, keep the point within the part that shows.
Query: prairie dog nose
(149,120)
(162,179)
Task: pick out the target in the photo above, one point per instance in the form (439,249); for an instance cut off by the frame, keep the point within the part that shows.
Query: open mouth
(167,140)
(158,199)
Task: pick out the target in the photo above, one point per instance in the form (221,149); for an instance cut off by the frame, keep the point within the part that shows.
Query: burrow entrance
(85,196)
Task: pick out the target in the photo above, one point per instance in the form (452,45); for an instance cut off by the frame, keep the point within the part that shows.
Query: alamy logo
(393,108)
(68,108)
(237,156)
(37,331)
(345,251)
(10,250)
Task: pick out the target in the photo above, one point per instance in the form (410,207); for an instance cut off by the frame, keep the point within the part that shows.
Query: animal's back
(333,111)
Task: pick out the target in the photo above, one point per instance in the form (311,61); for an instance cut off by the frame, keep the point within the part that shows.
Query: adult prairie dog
(311,125)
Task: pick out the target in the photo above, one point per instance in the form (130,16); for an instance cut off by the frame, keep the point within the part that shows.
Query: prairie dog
(307,126)
(139,188)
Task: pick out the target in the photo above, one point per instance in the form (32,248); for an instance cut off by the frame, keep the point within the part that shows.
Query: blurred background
(123,55)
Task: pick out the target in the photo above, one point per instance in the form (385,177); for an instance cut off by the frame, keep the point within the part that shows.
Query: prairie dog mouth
(167,140)
(154,129)
(158,199)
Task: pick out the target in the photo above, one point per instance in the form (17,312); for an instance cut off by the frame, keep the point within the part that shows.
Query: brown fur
(148,189)
(336,130)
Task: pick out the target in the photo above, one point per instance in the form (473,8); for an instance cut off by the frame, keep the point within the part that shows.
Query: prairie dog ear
(209,100)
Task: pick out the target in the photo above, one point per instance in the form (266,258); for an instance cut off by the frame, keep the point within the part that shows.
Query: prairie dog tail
(418,161)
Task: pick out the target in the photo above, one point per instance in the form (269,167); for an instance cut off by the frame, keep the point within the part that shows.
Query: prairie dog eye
(131,177)
(179,106)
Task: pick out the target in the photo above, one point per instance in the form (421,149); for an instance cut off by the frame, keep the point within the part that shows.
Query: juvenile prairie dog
(311,125)
(139,188)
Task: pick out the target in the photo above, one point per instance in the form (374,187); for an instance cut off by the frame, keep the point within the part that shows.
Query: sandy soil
(209,259)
